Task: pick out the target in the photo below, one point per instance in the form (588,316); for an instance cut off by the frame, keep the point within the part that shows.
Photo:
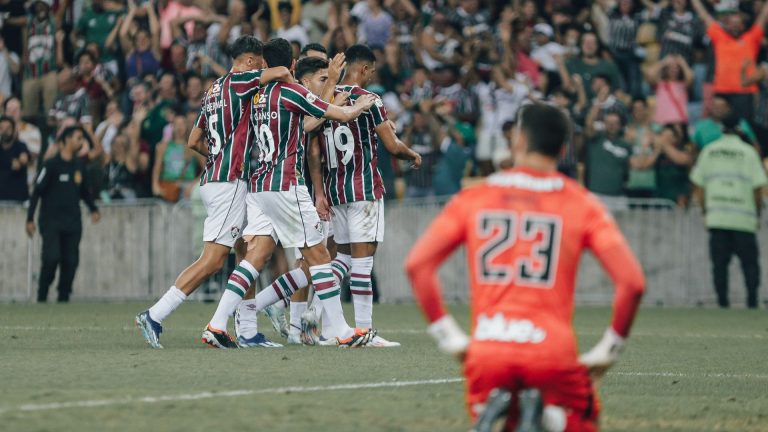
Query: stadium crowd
(646,83)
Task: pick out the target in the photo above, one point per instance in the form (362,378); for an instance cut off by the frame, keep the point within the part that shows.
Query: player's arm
(280,73)
(196,141)
(396,147)
(610,247)
(316,175)
(702,12)
(335,67)
(346,114)
(442,238)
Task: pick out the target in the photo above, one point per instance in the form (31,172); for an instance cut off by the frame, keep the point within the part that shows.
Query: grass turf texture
(684,370)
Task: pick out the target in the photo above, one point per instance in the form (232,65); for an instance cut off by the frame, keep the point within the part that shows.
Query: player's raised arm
(335,67)
(442,238)
(610,248)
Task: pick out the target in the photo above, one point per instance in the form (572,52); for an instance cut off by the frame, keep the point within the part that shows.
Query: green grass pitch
(84,367)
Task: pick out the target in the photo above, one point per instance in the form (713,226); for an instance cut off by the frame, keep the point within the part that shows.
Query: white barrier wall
(136,252)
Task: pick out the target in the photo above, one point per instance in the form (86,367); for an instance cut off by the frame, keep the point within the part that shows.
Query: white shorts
(328,228)
(358,222)
(293,216)
(258,224)
(225,204)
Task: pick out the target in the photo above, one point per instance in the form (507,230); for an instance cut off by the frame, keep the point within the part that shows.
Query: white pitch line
(224,394)
(682,375)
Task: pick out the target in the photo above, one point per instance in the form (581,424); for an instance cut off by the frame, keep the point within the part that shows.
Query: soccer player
(226,141)
(524,231)
(277,188)
(353,183)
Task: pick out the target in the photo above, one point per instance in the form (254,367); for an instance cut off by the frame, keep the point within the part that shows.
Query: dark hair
(5,118)
(640,99)
(86,53)
(284,6)
(5,104)
(546,128)
(603,77)
(278,52)
(731,122)
(190,76)
(68,132)
(313,47)
(245,45)
(309,66)
(359,53)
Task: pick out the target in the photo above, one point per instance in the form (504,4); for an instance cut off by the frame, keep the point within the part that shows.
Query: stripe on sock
(328,294)
(365,293)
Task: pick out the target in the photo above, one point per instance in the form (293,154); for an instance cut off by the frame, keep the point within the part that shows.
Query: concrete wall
(137,251)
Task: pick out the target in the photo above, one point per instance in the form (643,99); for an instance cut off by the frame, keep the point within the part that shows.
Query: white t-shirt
(545,55)
(485,94)
(508,102)
(5,73)
(295,33)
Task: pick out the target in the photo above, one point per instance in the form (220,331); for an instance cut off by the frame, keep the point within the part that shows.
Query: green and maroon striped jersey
(226,103)
(278,123)
(41,48)
(351,171)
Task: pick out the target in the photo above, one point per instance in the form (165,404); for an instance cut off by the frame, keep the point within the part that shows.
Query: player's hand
(450,338)
(416,161)
(323,209)
(338,63)
(365,102)
(30,228)
(95,217)
(600,358)
(15,165)
(341,98)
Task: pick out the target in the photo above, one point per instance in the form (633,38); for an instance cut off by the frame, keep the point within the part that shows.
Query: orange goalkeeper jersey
(524,233)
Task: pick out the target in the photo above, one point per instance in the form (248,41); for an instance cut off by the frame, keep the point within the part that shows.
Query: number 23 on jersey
(501,231)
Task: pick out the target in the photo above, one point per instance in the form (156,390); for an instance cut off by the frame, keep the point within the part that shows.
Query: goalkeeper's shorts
(568,387)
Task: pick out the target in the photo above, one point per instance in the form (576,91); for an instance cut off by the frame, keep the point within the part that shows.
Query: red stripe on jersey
(241,137)
(289,178)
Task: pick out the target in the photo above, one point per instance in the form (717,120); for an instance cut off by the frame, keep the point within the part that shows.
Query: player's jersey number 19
(342,139)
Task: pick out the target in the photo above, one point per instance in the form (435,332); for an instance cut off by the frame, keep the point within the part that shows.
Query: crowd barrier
(137,250)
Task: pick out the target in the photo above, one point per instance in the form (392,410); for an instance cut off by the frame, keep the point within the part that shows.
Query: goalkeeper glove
(603,355)
(450,338)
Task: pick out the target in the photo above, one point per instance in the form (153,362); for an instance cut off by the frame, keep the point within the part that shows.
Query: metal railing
(137,250)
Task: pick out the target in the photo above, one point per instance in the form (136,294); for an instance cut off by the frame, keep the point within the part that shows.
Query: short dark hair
(546,128)
(86,53)
(357,53)
(313,47)
(5,118)
(309,66)
(284,5)
(278,52)
(68,132)
(245,45)
(640,99)
(7,101)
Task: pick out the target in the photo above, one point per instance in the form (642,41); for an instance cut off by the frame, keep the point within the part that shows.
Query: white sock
(327,289)
(362,291)
(247,325)
(297,308)
(340,266)
(167,304)
(241,278)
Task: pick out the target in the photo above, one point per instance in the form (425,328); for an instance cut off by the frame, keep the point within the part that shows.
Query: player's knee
(212,264)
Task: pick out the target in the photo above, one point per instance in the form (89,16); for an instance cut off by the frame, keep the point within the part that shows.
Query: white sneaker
(380,342)
(294,339)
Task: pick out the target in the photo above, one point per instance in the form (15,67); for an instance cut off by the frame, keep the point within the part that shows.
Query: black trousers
(722,245)
(61,248)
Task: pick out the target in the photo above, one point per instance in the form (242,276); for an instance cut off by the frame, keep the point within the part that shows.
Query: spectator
(489,134)
(121,169)
(73,101)
(623,24)
(194,91)
(27,133)
(108,129)
(760,120)
(470,18)
(671,79)
(314,18)
(95,26)
(546,52)
(729,179)
(12,20)
(639,133)
(274,13)
(674,160)
(455,143)
(176,9)
(176,167)
(451,91)
(419,137)
(732,47)
(679,30)
(61,185)
(589,65)
(419,89)
(287,31)
(604,103)
(14,158)
(376,24)
(95,81)
(40,59)
(607,159)
(142,46)
(439,44)
(10,65)
(711,129)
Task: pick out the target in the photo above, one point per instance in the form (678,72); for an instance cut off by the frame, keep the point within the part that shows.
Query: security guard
(61,184)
